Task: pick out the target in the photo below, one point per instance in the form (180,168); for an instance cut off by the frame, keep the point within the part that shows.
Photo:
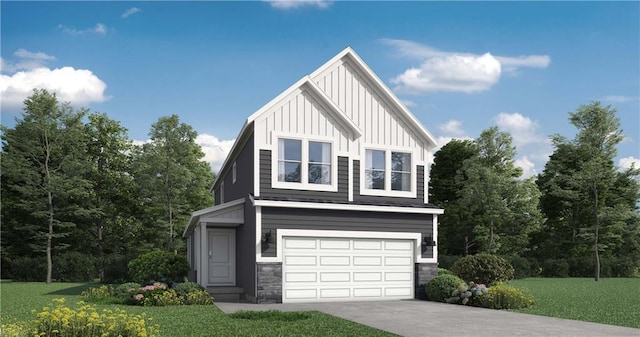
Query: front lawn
(609,301)
(19,299)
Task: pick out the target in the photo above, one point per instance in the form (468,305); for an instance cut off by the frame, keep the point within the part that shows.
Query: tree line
(79,199)
(581,208)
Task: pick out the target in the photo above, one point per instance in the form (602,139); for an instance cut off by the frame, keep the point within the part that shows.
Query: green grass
(18,300)
(610,301)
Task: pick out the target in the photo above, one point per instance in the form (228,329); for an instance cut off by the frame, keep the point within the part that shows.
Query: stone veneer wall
(269,282)
(424,273)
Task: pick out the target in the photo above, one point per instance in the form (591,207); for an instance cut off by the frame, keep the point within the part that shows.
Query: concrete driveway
(415,318)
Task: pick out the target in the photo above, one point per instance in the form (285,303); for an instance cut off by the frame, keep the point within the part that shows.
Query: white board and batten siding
(300,113)
(325,269)
(365,106)
(303,112)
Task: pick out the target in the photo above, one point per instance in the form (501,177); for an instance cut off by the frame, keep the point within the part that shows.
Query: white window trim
(233,173)
(304,169)
(387,192)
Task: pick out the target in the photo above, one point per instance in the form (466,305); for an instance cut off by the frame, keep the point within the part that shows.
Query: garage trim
(416,237)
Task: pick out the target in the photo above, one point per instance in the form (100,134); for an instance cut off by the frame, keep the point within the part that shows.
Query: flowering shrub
(470,293)
(502,296)
(85,321)
(199,297)
(100,294)
(122,291)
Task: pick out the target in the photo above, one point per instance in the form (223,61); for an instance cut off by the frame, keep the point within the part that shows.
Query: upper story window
(388,171)
(304,164)
(289,160)
(319,163)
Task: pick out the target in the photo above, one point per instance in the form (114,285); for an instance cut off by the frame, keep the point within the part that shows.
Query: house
(323,197)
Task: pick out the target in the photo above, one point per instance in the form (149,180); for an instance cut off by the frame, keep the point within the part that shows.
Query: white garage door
(346,269)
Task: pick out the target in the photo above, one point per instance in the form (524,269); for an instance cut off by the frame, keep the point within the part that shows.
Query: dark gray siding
(244,175)
(342,195)
(246,251)
(318,219)
(418,200)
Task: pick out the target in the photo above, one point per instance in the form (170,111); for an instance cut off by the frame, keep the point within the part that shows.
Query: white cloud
(455,71)
(626,163)
(130,11)
(452,128)
(99,29)
(78,86)
(523,130)
(621,99)
(528,167)
(292,4)
(26,60)
(215,150)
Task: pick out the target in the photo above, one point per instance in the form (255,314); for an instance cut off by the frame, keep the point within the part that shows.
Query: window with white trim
(388,170)
(289,160)
(304,164)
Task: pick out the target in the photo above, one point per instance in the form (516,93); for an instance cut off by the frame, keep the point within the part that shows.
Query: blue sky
(460,67)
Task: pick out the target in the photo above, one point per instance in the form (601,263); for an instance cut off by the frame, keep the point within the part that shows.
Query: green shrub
(198,297)
(74,267)
(123,290)
(555,268)
(158,266)
(442,271)
(483,268)
(101,294)
(502,296)
(165,298)
(60,320)
(521,266)
(441,287)
(182,289)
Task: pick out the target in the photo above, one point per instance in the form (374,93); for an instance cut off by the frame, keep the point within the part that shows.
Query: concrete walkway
(414,318)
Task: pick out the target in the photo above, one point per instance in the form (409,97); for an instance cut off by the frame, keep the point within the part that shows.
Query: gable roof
(364,70)
(308,82)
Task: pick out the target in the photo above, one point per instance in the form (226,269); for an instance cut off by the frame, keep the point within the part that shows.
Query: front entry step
(226,294)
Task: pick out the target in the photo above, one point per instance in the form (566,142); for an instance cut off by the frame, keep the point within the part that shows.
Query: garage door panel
(334,260)
(367,277)
(367,245)
(397,261)
(300,277)
(335,244)
(301,293)
(398,245)
(367,261)
(342,269)
(399,291)
(300,244)
(335,277)
(397,276)
(367,292)
(335,293)
(296,260)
